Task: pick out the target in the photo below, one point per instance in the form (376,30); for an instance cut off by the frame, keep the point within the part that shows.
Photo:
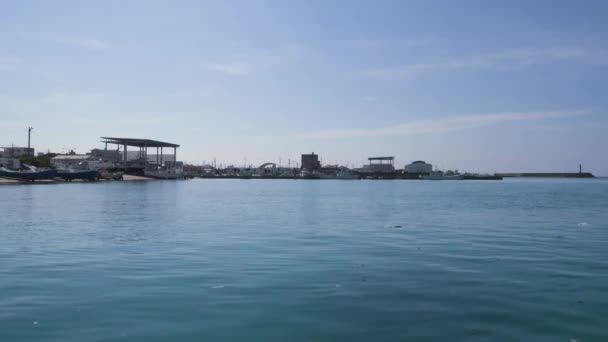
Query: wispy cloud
(438,125)
(73,97)
(231,68)
(499,60)
(248,63)
(87,43)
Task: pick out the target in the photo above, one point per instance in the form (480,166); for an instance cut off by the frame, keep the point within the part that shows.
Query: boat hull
(340,177)
(70,175)
(163,174)
(459,177)
(29,175)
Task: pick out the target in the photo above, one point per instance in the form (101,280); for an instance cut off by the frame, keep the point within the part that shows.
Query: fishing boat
(71,174)
(28,175)
(165,173)
(472,176)
(104,174)
(440,175)
(344,175)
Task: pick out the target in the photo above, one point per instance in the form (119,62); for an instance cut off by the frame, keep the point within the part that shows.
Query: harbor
(148,159)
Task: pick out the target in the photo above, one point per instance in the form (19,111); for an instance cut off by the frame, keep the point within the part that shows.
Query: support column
(161,156)
(125,156)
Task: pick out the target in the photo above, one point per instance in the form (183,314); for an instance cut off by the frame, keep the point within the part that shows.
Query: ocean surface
(297,260)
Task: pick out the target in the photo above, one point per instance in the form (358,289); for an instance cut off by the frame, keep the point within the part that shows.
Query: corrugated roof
(138,142)
(381,158)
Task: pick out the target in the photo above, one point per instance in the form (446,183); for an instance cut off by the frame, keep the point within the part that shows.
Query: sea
(305,260)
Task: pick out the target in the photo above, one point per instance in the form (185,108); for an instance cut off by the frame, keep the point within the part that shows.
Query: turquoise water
(246,260)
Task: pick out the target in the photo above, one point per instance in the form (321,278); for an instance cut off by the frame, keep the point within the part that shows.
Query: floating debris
(583,224)
(397,226)
(579,301)
(338,285)
(217,287)
(35,322)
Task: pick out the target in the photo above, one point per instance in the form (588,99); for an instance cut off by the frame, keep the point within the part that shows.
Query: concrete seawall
(548,175)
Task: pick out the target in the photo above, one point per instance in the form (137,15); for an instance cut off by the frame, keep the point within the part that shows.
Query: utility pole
(29,136)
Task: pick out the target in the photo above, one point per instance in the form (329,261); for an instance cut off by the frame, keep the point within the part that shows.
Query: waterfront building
(10,163)
(71,161)
(111,156)
(310,162)
(379,165)
(151,158)
(419,166)
(15,152)
(154,164)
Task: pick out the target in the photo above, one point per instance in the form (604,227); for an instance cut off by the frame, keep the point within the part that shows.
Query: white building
(15,152)
(419,166)
(10,163)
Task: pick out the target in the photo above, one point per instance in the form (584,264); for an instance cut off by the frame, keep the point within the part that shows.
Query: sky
(485,86)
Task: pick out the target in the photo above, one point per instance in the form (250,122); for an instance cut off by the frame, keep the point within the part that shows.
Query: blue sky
(473,85)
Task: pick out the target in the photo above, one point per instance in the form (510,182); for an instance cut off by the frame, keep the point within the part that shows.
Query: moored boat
(165,174)
(71,174)
(340,175)
(439,175)
(28,175)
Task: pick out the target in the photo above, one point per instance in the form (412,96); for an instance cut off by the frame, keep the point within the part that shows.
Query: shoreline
(132,178)
(126,178)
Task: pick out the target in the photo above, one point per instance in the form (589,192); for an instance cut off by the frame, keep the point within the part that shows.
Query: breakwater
(548,174)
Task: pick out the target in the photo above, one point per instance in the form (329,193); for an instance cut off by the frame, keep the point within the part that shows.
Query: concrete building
(419,166)
(310,162)
(15,152)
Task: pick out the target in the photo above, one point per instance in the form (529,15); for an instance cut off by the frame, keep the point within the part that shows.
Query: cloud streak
(248,63)
(441,125)
(501,60)
(86,43)
(230,68)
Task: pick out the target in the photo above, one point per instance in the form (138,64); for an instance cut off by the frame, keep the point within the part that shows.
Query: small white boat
(165,174)
(174,170)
